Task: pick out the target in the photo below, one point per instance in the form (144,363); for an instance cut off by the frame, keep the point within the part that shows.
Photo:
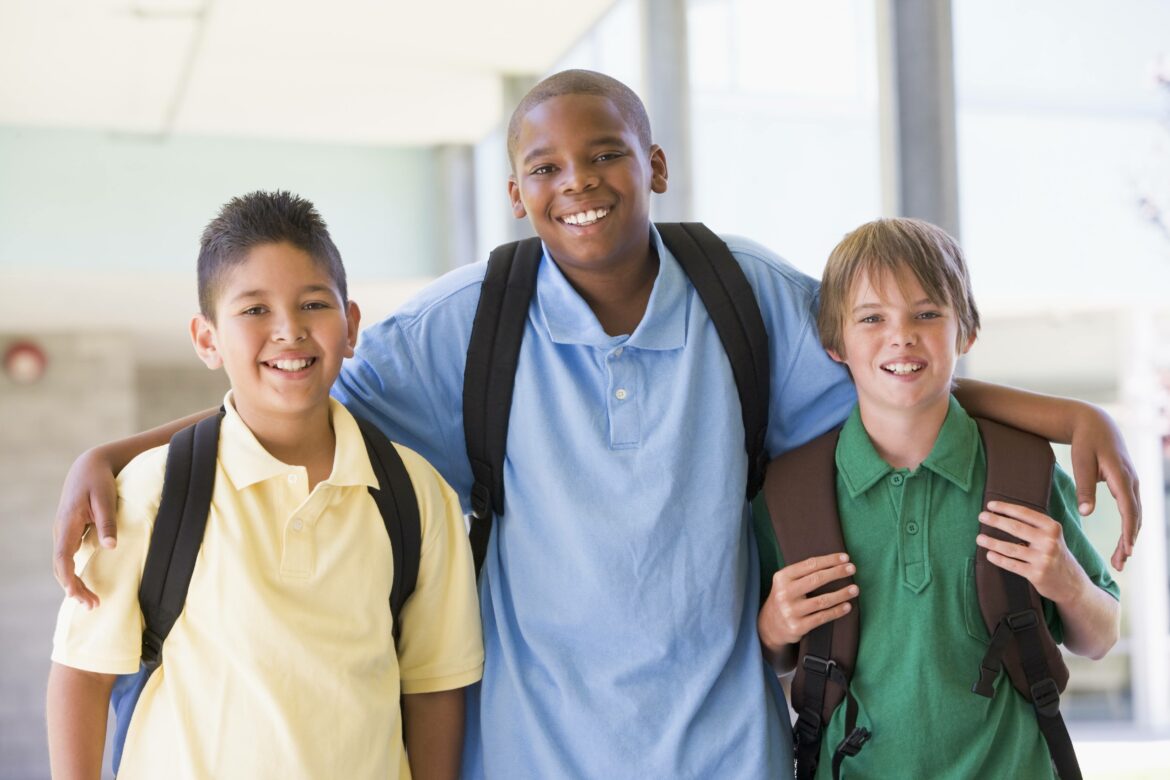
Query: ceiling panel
(348,71)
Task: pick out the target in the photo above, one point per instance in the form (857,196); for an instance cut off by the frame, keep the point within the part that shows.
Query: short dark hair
(582,82)
(259,218)
(886,247)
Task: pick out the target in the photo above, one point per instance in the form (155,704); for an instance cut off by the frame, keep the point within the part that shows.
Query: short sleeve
(108,639)
(441,645)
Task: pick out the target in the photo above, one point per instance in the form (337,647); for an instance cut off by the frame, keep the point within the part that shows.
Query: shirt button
(897,479)
(620,394)
(618,352)
(912,528)
(298,524)
(292,479)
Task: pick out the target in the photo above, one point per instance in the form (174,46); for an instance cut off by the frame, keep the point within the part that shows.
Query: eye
(311,305)
(929,315)
(606,156)
(253,311)
(541,170)
(871,319)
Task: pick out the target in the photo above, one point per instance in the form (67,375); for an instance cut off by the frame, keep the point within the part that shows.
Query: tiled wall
(92,391)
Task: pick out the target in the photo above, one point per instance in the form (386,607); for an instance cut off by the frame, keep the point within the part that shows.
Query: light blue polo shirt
(620,591)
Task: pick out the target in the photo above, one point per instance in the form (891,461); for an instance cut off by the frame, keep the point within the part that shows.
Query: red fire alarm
(24,362)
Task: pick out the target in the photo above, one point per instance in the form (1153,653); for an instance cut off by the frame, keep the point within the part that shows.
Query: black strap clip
(1046,697)
(1022,621)
(481,501)
(152,645)
(852,744)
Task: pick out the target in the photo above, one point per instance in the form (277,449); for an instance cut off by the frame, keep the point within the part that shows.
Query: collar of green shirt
(952,457)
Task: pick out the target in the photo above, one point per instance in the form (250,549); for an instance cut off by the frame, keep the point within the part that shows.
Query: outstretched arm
(432,729)
(75,711)
(1089,614)
(1098,451)
(89,498)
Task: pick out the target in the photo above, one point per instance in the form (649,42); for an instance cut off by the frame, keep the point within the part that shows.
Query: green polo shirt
(912,537)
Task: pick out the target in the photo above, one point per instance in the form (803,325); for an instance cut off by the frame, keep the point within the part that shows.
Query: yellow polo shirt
(282,664)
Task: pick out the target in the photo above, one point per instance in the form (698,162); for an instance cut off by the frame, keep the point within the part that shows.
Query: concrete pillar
(917,88)
(667,95)
(457,238)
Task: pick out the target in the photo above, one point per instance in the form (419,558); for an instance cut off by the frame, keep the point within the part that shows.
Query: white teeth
(902,368)
(291,365)
(584,217)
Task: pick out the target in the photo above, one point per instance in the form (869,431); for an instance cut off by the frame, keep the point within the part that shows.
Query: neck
(903,440)
(618,296)
(299,440)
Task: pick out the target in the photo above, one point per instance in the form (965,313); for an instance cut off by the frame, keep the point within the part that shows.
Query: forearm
(75,712)
(782,660)
(1049,416)
(432,729)
(1091,619)
(116,454)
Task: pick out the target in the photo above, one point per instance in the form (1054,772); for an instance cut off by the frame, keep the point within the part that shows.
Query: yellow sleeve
(108,639)
(440,646)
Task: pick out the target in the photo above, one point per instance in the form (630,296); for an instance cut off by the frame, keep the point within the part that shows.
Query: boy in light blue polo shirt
(619,594)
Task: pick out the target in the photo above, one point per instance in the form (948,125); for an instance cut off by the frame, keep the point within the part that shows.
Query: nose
(903,334)
(289,328)
(578,177)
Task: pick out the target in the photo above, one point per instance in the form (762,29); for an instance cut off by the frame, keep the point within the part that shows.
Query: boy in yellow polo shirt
(897,309)
(282,663)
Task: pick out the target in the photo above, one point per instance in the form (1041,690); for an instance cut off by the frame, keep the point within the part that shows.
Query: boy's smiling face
(900,346)
(584,179)
(281,331)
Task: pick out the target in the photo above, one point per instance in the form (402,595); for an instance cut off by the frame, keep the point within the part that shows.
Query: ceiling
(344,71)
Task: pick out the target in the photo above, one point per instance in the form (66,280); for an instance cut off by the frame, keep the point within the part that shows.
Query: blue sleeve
(406,376)
(810,392)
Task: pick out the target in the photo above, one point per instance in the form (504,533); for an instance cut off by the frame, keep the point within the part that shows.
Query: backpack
(178,533)
(498,329)
(801,485)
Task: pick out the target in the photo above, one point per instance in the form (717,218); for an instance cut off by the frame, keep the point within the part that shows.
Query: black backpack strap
(800,491)
(399,509)
(178,532)
(735,312)
(1019,471)
(489,377)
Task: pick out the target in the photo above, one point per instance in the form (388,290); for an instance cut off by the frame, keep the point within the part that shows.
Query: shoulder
(455,292)
(432,491)
(763,266)
(140,483)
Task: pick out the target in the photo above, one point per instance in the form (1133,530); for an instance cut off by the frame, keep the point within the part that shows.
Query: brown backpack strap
(800,490)
(1019,471)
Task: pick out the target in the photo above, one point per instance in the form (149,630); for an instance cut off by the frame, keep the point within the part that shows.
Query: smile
(299,364)
(902,369)
(585,217)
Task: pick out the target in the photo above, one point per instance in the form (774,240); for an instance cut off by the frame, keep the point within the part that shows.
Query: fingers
(1086,473)
(64,546)
(102,511)
(790,612)
(1124,487)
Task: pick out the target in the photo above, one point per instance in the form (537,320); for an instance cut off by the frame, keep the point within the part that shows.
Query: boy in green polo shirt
(896,309)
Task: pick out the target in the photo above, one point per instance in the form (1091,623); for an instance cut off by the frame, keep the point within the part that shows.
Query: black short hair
(259,218)
(582,82)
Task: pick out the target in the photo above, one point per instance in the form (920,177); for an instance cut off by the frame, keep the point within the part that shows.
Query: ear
(353,319)
(204,339)
(658,172)
(835,355)
(518,210)
(964,348)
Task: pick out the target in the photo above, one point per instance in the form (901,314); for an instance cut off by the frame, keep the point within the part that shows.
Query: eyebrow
(605,140)
(922,302)
(258,292)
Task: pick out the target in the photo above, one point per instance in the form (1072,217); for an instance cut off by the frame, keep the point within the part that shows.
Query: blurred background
(1038,131)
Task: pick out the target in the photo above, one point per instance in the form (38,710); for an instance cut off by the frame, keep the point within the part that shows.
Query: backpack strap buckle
(1046,697)
(152,645)
(851,745)
(1022,621)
